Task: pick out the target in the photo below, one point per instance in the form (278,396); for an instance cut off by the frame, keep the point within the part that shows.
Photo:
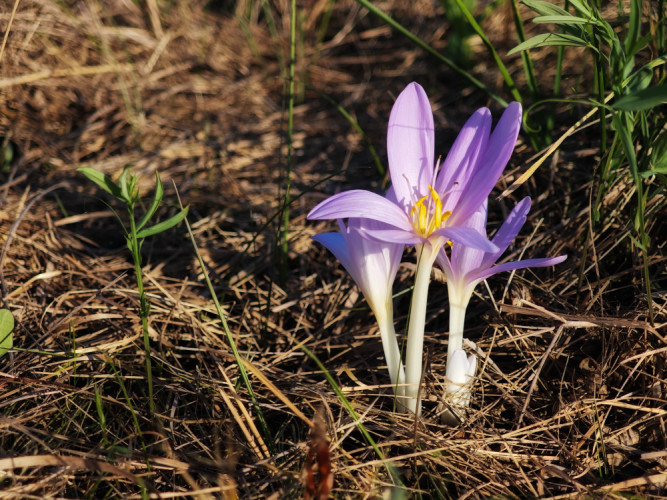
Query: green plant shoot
(127,192)
(6,329)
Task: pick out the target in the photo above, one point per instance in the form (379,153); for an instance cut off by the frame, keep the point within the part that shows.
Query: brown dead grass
(570,400)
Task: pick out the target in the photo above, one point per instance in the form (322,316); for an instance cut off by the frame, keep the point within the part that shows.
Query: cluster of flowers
(441,210)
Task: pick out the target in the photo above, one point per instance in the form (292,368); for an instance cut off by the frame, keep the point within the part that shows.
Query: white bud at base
(460,375)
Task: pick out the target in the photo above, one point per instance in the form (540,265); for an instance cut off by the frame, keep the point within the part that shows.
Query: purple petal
(361,204)
(464,155)
(493,162)
(410,144)
(520,264)
(508,231)
(467,259)
(362,248)
(445,264)
(396,236)
(335,243)
(468,237)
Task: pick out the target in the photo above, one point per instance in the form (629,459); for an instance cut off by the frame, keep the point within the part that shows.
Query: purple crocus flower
(373,266)
(432,203)
(465,267)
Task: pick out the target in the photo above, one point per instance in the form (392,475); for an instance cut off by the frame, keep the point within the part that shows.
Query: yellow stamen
(428,216)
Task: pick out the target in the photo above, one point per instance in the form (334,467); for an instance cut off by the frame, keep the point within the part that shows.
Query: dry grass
(571,398)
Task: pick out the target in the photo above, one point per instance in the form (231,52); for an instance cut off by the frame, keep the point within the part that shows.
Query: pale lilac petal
(477,220)
(443,261)
(468,237)
(391,195)
(508,231)
(410,144)
(372,265)
(467,258)
(520,264)
(361,204)
(389,253)
(397,236)
(335,243)
(493,162)
(464,155)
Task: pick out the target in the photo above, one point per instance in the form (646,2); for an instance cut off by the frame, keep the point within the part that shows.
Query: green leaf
(157,198)
(499,63)
(550,39)
(124,190)
(583,9)
(545,8)
(102,180)
(639,80)
(659,153)
(164,225)
(561,20)
(643,99)
(639,45)
(634,26)
(6,329)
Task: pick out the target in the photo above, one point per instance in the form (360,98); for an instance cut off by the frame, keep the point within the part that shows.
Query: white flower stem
(460,369)
(392,353)
(457,316)
(415,347)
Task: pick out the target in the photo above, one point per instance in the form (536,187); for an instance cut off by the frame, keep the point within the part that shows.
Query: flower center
(427,214)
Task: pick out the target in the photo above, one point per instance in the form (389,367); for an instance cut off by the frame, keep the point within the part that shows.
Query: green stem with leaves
(134,245)
(127,192)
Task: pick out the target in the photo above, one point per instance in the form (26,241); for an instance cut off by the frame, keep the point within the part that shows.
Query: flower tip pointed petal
(514,109)
(410,143)
(469,237)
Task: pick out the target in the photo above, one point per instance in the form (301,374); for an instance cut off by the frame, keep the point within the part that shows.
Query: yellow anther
(427,213)
(438,207)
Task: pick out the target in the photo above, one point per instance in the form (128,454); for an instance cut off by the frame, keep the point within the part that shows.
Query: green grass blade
(551,40)
(346,404)
(230,339)
(128,402)
(634,27)
(499,63)
(430,50)
(582,8)
(284,233)
(376,159)
(644,99)
(528,68)
(623,125)
(560,20)
(545,8)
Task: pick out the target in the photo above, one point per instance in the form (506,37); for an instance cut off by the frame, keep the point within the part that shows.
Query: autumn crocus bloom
(465,267)
(431,204)
(373,266)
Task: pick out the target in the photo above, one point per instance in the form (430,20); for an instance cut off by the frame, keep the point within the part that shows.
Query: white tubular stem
(457,316)
(460,368)
(392,353)
(415,347)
